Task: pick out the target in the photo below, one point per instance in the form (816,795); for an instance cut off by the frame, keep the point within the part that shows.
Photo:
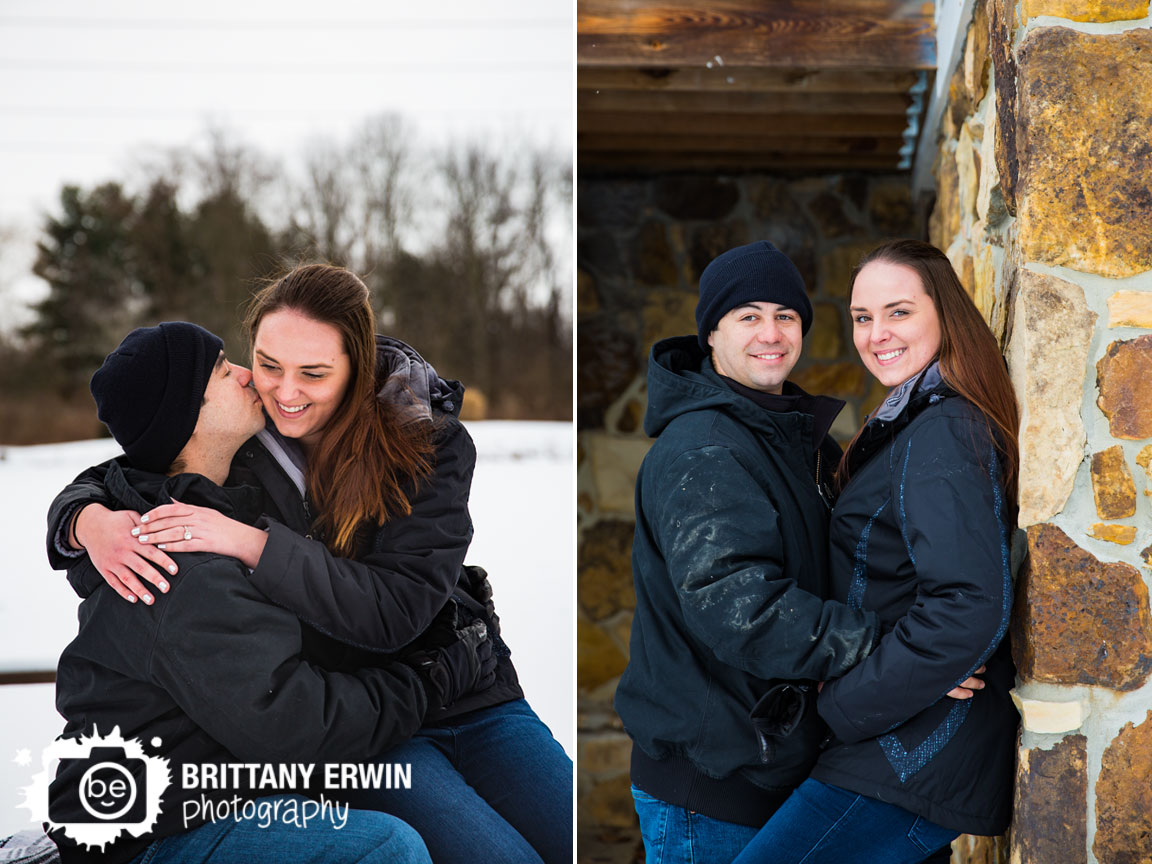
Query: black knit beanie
(149,390)
(756,273)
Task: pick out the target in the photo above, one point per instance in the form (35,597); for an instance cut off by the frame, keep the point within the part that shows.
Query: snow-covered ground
(522,499)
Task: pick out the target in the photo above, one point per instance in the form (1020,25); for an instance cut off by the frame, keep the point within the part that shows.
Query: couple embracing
(273,573)
(819,667)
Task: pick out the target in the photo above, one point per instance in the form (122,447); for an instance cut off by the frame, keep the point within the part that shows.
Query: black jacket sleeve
(232,662)
(720,537)
(950,507)
(87,488)
(387,597)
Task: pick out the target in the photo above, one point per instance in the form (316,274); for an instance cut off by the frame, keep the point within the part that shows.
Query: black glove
(452,661)
(476,583)
(777,714)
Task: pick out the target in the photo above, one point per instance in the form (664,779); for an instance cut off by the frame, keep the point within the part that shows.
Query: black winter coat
(730,568)
(170,671)
(920,536)
(385,597)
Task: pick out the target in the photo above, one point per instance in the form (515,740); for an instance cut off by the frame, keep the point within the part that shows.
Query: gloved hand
(480,589)
(452,661)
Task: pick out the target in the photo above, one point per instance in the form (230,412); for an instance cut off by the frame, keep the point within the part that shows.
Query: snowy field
(521,505)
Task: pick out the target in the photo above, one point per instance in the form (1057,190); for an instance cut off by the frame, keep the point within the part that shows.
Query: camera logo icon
(95,787)
(111,788)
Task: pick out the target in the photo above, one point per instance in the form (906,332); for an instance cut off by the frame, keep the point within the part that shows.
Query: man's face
(757,345)
(231,412)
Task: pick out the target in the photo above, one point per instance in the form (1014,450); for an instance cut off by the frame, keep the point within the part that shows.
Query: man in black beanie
(729,562)
(216,675)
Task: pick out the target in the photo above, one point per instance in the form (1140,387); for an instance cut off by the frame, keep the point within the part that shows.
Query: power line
(431,67)
(268,25)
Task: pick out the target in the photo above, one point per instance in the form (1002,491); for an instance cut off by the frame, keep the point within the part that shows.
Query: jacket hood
(409,383)
(677,384)
(681,379)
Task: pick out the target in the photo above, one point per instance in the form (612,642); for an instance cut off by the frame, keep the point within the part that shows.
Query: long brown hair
(970,359)
(366,462)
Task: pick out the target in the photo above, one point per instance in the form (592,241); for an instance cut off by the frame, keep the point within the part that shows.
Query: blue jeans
(490,785)
(673,835)
(824,824)
(366,838)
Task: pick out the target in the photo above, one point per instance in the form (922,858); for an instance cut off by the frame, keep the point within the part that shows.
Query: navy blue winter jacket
(920,536)
(730,565)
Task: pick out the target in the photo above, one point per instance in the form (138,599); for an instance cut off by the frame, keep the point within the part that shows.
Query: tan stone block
(1050,818)
(615,462)
(631,417)
(1112,485)
(1098,11)
(990,207)
(1040,716)
(1080,620)
(1124,377)
(1047,357)
(970,849)
(967,177)
(620,628)
(838,267)
(1084,150)
(604,564)
(945,222)
(1130,309)
(598,660)
(842,380)
(984,281)
(824,340)
(608,804)
(976,63)
(1146,555)
(668,313)
(1002,35)
(652,261)
(1144,460)
(607,754)
(587,301)
(890,208)
(1121,535)
(1124,797)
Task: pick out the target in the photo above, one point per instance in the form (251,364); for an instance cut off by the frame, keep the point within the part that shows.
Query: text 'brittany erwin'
(296,775)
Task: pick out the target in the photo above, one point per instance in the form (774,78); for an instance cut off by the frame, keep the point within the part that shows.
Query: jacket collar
(142,490)
(681,380)
(901,407)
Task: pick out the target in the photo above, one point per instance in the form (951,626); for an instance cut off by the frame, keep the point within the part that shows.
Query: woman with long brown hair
(919,535)
(366,472)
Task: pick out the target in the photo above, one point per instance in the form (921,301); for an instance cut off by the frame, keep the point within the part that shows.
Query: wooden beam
(771,33)
(744,103)
(649,163)
(45,676)
(589,144)
(746,79)
(777,125)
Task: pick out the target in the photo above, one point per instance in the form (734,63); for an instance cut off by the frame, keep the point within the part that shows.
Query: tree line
(465,249)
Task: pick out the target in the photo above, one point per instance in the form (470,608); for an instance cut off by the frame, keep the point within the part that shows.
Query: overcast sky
(90,87)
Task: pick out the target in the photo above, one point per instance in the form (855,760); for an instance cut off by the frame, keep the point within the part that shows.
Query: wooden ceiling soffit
(645,161)
(780,34)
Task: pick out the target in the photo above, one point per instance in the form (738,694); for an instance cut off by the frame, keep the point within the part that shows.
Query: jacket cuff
(839,722)
(273,563)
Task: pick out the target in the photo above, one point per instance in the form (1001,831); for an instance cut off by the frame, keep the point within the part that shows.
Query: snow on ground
(521,505)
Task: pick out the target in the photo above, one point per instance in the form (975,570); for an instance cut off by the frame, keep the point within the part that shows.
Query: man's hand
(116,554)
(967,689)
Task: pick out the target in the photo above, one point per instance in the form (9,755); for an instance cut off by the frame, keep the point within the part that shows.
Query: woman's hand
(180,527)
(967,689)
(115,553)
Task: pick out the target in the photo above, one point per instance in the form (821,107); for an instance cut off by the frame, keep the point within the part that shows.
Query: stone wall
(641,246)
(1044,205)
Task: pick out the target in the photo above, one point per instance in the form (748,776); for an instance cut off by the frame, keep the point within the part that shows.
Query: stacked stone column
(1045,208)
